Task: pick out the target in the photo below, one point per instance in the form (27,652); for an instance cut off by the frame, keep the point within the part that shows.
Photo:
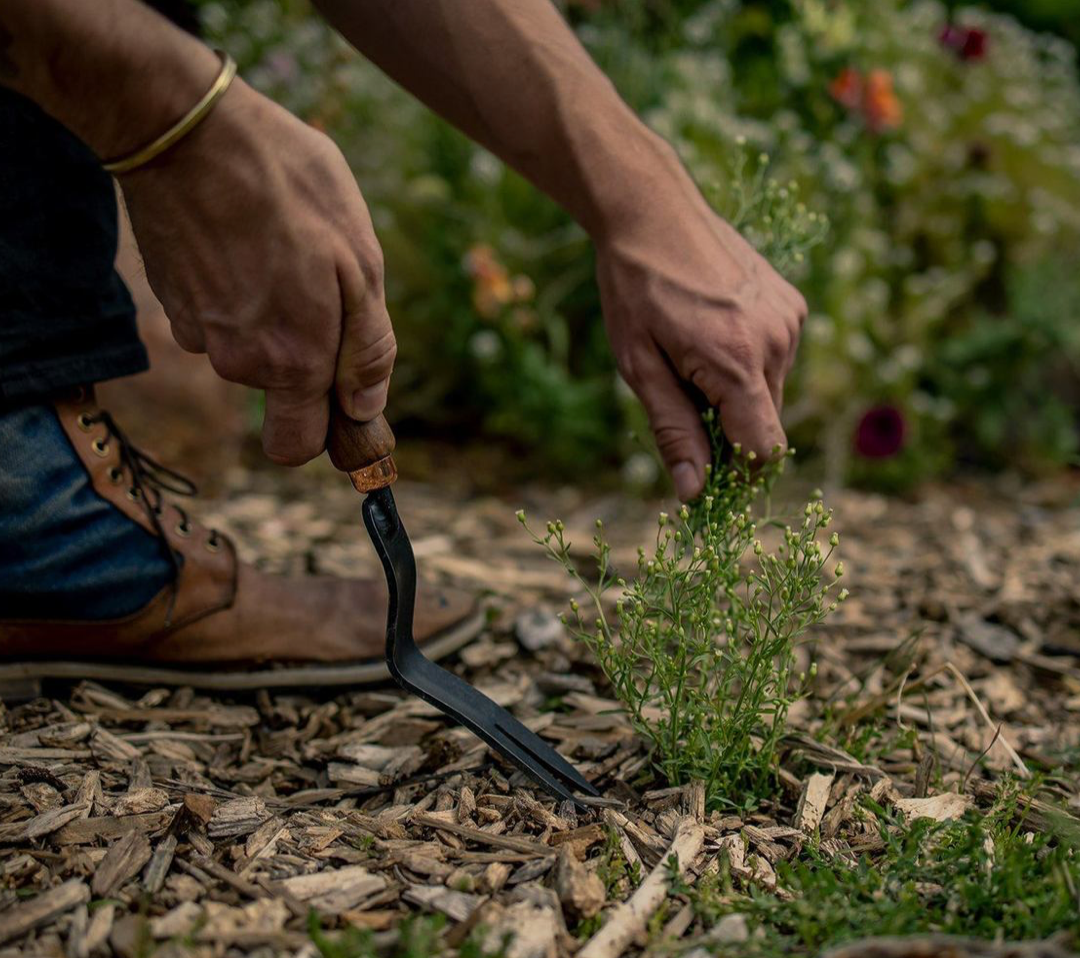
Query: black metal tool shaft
(449,694)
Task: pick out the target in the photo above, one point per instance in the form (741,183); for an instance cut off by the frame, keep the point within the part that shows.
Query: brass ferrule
(378,475)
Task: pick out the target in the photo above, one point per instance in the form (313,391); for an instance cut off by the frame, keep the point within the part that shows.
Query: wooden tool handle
(362,449)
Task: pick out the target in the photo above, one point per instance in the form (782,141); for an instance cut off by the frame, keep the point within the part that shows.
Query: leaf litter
(289,823)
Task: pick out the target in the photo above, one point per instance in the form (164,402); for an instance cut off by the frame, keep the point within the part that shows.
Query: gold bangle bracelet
(183,126)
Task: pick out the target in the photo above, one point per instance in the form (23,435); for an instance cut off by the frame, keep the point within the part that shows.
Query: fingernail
(368,402)
(688,481)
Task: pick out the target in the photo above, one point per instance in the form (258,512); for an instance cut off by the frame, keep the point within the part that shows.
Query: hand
(260,248)
(688,301)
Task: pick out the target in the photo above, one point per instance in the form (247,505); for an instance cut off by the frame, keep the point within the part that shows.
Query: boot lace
(149,481)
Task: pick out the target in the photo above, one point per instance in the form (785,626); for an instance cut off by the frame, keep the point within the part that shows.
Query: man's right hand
(260,248)
(254,234)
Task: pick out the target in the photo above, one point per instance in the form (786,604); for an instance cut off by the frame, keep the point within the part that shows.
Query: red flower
(968,43)
(847,88)
(880,433)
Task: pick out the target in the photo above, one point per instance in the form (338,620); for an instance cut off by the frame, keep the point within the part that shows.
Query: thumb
(367,353)
(676,424)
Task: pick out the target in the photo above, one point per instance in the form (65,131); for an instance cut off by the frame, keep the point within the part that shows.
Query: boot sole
(15,676)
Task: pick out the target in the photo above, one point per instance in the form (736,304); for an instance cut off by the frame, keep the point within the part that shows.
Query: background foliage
(943,144)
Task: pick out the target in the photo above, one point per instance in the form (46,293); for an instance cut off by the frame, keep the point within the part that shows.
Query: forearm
(114,72)
(511,74)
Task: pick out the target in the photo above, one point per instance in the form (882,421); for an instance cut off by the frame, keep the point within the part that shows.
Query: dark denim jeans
(65,553)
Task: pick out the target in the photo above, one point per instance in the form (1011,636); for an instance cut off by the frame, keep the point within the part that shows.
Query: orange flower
(873,96)
(492,287)
(881,107)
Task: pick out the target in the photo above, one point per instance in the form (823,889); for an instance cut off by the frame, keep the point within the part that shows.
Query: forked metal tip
(448,693)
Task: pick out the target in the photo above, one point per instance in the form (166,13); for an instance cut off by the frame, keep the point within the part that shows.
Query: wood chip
(524,930)
(335,890)
(628,920)
(48,822)
(124,859)
(813,801)
(580,890)
(158,868)
(454,904)
(42,909)
(241,816)
(522,845)
(86,830)
(141,800)
(941,808)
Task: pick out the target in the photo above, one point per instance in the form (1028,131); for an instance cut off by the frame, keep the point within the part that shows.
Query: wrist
(644,181)
(151,94)
(114,72)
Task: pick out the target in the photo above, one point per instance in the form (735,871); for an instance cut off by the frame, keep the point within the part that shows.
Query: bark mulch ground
(168,821)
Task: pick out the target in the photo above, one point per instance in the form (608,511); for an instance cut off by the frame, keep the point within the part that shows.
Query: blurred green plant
(1013,374)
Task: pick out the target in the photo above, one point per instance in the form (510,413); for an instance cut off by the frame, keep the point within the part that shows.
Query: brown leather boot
(220,624)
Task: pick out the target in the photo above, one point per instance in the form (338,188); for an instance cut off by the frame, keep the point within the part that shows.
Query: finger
(675,423)
(368,347)
(294,426)
(774,379)
(750,417)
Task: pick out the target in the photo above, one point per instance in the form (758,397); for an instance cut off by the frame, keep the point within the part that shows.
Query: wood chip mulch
(135,820)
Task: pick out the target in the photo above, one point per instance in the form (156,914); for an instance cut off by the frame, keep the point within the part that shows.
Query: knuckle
(326,153)
(778,342)
(723,367)
(372,266)
(801,308)
(741,357)
(267,362)
(377,358)
(630,361)
(187,338)
(230,364)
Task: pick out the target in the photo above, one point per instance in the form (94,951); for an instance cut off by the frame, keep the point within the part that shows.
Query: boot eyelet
(84,422)
(133,494)
(183,529)
(213,544)
(100,447)
(116,476)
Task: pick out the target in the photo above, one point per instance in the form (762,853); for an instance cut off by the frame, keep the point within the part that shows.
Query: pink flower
(968,43)
(880,433)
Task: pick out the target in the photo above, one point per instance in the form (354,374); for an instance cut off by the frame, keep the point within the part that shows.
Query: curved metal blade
(449,694)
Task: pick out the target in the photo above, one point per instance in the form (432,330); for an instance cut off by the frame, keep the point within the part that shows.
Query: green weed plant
(700,650)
